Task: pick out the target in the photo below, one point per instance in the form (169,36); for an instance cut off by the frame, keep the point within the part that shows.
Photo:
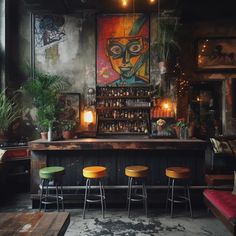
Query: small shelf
(123,97)
(124,133)
(122,119)
(124,107)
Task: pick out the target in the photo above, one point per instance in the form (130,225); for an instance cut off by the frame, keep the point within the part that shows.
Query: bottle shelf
(123,110)
(119,108)
(122,119)
(123,97)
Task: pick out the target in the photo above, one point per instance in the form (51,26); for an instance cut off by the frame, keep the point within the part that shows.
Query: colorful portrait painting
(123,50)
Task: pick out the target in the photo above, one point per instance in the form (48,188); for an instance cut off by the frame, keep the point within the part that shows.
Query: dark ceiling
(187,10)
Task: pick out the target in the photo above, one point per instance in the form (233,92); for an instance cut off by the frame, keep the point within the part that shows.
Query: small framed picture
(216,53)
(69,105)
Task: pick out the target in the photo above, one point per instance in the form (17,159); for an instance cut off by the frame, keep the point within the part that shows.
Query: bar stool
(136,172)
(178,173)
(51,174)
(95,173)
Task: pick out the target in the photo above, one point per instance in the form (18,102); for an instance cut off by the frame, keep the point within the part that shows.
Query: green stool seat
(51,172)
(51,185)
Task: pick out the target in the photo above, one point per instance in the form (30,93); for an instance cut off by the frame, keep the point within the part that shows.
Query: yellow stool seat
(178,172)
(94,172)
(136,171)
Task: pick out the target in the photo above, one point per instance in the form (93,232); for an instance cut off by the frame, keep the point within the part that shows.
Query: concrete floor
(117,223)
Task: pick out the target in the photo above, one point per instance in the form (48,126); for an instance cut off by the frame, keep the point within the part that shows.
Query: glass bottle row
(125,114)
(123,92)
(124,103)
(124,127)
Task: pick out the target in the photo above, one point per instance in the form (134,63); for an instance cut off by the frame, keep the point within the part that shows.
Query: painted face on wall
(126,54)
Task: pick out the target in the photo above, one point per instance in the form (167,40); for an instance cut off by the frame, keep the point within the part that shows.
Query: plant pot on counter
(44,135)
(67,134)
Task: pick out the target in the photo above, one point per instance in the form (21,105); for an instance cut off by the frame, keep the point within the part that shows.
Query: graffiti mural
(49,30)
(123,50)
(57,43)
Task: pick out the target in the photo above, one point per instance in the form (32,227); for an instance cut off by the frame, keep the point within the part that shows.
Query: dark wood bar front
(116,154)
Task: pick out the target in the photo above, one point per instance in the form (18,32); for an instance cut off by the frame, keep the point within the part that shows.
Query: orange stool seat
(94,172)
(178,172)
(136,171)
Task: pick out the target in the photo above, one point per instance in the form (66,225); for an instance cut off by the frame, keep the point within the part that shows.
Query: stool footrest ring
(137,197)
(94,198)
(184,199)
(50,199)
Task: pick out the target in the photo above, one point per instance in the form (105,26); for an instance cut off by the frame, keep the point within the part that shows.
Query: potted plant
(166,41)
(67,127)
(181,128)
(44,91)
(9,112)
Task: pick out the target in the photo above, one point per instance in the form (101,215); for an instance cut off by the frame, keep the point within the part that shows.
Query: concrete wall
(76,60)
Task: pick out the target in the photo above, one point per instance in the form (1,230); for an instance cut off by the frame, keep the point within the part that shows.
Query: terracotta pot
(44,135)
(67,134)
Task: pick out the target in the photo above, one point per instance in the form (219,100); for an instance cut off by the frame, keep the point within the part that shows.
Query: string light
(203,50)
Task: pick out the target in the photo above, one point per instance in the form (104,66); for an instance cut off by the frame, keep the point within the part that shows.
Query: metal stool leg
(104,197)
(46,195)
(41,194)
(62,198)
(186,197)
(129,199)
(168,194)
(189,200)
(101,195)
(57,197)
(144,193)
(85,197)
(172,197)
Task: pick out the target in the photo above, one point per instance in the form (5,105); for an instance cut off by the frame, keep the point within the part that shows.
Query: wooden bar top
(34,223)
(122,144)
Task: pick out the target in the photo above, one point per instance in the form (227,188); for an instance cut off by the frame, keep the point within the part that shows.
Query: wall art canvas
(123,50)
(216,53)
(69,105)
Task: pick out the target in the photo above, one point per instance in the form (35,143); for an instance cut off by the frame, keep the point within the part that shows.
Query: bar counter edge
(109,143)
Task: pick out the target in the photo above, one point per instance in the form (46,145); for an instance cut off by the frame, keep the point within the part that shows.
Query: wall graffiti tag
(49,30)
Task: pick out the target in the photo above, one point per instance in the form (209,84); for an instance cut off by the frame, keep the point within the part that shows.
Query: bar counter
(116,154)
(111,143)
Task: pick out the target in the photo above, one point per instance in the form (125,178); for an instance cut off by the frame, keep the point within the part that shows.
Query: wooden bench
(223,205)
(34,223)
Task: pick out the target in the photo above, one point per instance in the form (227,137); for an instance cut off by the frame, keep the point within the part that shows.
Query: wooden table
(34,223)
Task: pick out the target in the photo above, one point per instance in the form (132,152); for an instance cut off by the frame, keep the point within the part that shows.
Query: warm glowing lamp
(88,116)
(124,3)
(166,106)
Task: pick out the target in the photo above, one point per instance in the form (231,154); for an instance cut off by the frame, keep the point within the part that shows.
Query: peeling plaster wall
(76,61)
(73,57)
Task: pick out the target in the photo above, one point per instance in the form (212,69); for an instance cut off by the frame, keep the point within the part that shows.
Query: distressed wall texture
(70,50)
